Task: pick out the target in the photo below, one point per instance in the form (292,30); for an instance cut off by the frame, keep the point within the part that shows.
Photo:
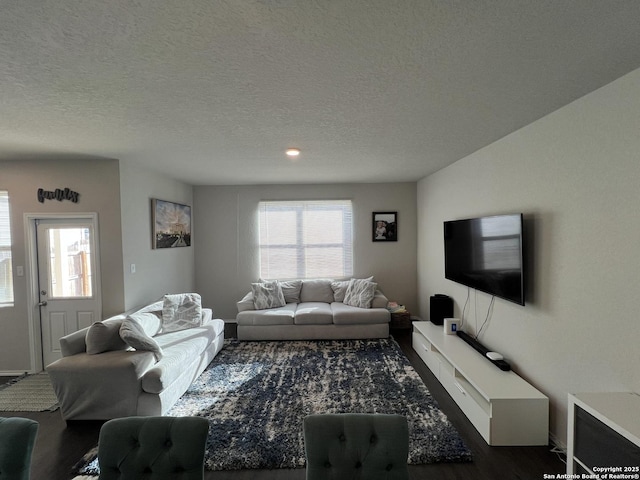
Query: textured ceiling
(213,91)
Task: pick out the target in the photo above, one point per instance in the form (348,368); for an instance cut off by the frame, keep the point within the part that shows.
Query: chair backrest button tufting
(373,439)
(327,464)
(358,464)
(342,438)
(389,467)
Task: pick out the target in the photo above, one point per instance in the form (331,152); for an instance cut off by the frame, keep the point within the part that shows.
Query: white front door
(68,286)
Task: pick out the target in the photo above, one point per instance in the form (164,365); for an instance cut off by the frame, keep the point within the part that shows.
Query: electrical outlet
(133,268)
(20,271)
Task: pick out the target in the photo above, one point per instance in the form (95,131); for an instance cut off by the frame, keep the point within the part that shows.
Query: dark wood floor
(60,445)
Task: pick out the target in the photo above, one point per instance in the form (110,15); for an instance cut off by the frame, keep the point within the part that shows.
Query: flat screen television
(487,254)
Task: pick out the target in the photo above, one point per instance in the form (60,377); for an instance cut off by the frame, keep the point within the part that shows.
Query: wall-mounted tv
(487,254)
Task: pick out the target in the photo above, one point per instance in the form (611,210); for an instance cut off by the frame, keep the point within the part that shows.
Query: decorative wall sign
(59,194)
(171,224)
(385,226)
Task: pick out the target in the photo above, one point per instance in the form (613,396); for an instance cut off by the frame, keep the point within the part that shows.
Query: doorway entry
(65,276)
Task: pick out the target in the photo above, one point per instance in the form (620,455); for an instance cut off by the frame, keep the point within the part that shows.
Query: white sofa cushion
(313,313)
(316,291)
(273,316)
(348,315)
(180,348)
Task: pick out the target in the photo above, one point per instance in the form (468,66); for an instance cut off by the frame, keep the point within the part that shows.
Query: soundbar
(501,364)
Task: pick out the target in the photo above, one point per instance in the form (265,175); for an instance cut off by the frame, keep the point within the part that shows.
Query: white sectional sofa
(105,378)
(316,310)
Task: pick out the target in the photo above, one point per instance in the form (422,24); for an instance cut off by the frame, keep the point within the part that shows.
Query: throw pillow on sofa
(360,293)
(181,311)
(104,337)
(150,321)
(267,295)
(133,334)
(339,288)
(291,290)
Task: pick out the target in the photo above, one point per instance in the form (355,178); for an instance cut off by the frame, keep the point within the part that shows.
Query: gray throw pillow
(318,290)
(291,290)
(150,321)
(133,334)
(360,292)
(181,311)
(339,290)
(104,337)
(267,295)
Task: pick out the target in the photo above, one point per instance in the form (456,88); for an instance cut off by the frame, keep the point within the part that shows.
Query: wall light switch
(133,268)
(20,271)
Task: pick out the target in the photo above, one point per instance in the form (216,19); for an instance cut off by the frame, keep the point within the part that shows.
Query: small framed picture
(385,226)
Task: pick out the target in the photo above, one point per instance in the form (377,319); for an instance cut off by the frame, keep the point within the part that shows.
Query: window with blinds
(6,275)
(306,239)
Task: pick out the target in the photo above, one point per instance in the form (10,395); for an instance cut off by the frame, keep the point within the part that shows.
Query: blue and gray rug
(255,395)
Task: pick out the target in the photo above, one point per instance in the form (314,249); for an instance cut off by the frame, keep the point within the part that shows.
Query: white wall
(227,238)
(158,271)
(98,185)
(575,175)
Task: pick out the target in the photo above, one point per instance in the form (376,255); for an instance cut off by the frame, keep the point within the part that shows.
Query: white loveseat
(105,378)
(315,310)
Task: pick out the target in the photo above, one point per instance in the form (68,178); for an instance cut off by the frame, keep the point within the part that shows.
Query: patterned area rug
(255,395)
(28,393)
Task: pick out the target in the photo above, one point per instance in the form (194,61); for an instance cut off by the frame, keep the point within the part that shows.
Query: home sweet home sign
(59,194)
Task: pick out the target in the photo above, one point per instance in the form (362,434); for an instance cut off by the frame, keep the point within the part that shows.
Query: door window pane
(70,262)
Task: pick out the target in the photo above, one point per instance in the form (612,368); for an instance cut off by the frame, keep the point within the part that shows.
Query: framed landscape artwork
(171,224)
(385,226)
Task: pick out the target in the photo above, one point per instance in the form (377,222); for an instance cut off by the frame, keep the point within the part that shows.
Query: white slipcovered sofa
(100,376)
(313,310)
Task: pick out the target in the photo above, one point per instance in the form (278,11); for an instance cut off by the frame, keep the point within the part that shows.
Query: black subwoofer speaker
(441,308)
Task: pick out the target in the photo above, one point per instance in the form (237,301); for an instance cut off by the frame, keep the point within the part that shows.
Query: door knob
(42,304)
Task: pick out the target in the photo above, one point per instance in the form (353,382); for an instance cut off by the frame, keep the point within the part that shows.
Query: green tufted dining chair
(17,439)
(154,448)
(353,446)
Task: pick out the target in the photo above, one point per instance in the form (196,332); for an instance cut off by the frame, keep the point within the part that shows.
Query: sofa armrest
(207,315)
(246,303)
(379,300)
(74,343)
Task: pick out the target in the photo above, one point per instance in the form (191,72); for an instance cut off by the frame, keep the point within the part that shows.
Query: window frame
(299,207)
(6,249)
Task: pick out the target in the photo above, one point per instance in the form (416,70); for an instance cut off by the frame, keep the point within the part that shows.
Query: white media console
(504,408)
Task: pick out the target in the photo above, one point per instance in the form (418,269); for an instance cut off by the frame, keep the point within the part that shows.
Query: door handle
(42,304)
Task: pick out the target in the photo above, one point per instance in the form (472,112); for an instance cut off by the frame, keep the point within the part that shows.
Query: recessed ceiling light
(293,152)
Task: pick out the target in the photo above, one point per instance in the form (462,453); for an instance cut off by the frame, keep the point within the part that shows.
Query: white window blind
(6,275)
(306,239)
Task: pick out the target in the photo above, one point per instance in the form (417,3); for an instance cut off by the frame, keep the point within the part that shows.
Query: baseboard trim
(13,373)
